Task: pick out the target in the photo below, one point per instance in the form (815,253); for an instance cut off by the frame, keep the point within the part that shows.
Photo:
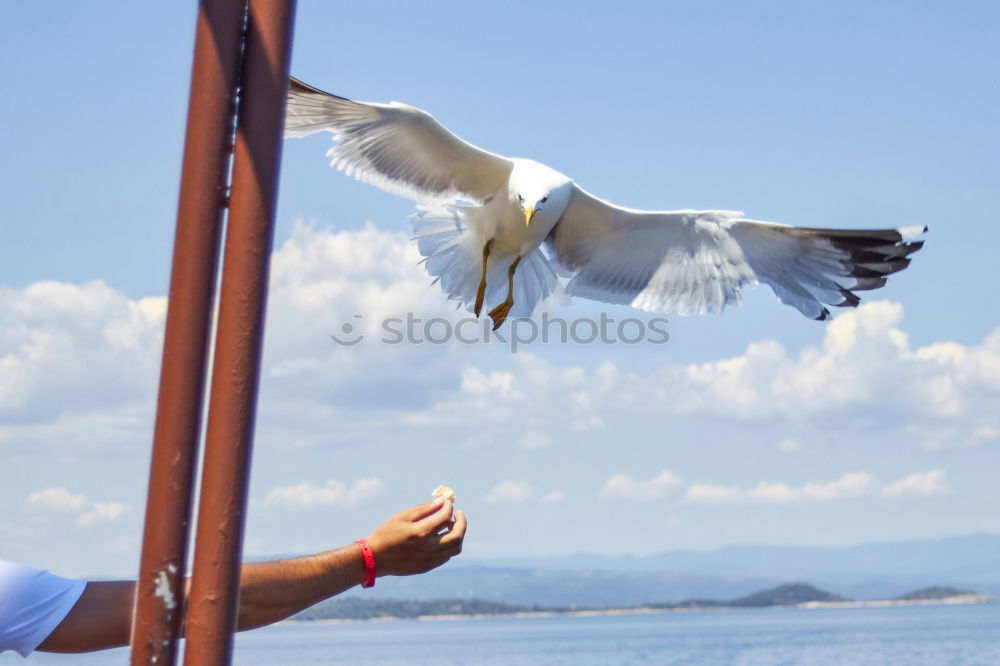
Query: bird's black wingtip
(299,87)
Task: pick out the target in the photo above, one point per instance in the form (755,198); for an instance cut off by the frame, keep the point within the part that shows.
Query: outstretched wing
(395,147)
(691,262)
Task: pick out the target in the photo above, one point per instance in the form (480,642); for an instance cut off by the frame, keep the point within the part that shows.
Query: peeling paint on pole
(164,589)
(212,610)
(204,177)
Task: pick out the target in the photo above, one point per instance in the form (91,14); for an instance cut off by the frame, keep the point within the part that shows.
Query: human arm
(413,541)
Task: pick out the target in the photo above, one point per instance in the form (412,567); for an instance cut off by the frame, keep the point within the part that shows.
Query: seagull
(501,232)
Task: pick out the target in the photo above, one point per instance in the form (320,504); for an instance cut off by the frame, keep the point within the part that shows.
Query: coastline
(958,600)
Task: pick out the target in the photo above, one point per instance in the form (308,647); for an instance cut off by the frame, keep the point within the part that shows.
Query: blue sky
(757,426)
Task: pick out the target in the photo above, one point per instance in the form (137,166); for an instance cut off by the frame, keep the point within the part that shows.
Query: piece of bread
(444,492)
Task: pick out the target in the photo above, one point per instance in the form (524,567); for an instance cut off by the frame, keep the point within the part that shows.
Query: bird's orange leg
(500,312)
(481,293)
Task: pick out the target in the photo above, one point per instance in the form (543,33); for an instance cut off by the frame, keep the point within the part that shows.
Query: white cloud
(624,487)
(510,492)
(865,369)
(368,271)
(478,440)
(322,280)
(582,402)
(103,512)
(934,482)
(15,533)
(865,363)
(119,426)
(991,526)
(126,544)
(712,493)
(332,494)
(587,422)
(849,486)
(78,368)
(935,439)
(57,499)
(985,434)
(534,440)
(957,434)
(87,353)
(86,511)
(517,492)
(60,341)
(789,445)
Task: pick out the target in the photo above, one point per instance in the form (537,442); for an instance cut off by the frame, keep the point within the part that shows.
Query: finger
(457,532)
(421,511)
(442,558)
(438,519)
(451,548)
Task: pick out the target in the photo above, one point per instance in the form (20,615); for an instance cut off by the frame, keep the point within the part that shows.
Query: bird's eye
(520,198)
(544,199)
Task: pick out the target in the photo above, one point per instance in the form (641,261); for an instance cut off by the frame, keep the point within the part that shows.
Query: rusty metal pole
(214,597)
(207,146)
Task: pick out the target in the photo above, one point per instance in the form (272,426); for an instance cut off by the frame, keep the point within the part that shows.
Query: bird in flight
(484,219)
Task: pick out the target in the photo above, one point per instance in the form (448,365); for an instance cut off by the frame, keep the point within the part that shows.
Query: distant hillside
(786,595)
(354,608)
(789,594)
(882,570)
(864,572)
(969,557)
(935,593)
(553,588)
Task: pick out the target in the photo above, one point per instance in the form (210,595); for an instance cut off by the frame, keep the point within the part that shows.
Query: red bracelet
(369,558)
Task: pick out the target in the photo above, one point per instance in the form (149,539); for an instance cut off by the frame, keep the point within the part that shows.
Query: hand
(418,539)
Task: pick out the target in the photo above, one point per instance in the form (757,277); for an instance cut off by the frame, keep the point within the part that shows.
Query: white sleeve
(32,604)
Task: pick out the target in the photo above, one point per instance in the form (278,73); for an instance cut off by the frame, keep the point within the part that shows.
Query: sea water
(897,636)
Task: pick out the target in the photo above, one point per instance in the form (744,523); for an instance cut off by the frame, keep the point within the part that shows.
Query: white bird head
(540,192)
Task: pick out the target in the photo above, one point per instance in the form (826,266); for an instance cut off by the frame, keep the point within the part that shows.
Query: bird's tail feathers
(453,255)
(809,267)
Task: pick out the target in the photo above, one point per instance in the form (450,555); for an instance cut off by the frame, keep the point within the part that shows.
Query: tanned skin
(413,541)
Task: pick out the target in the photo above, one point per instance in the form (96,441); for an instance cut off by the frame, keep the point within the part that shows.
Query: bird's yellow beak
(529,213)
